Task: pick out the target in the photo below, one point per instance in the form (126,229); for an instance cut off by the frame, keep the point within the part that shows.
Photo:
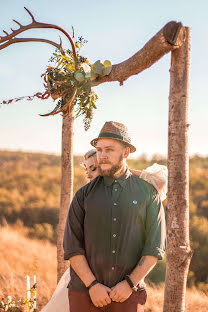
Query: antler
(15,40)
(10,37)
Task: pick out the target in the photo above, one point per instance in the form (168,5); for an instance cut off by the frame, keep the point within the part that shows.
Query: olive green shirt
(114,222)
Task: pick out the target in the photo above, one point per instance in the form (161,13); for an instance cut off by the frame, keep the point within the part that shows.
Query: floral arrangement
(69,81)
(22,305)
(26,305)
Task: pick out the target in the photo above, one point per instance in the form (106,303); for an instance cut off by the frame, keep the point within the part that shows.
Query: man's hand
(121,292)
(99,295)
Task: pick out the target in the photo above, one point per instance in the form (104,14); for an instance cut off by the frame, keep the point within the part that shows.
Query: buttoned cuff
(156,252)
(68,254)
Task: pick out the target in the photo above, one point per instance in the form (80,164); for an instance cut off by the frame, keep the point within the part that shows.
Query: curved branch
(170,37)
(16,40)
(65,107)
(36,24)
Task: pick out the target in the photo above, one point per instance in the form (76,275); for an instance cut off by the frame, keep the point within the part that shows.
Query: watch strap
(92,284)
(129,281)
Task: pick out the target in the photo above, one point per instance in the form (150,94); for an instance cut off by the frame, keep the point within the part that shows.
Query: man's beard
(114,168)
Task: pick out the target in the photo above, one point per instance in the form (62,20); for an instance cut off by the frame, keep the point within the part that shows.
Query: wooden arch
(174,38)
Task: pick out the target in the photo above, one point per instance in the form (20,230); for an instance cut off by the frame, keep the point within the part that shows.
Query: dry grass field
(21,256)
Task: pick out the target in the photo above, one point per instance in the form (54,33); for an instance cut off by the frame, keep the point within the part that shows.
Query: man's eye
(94,169)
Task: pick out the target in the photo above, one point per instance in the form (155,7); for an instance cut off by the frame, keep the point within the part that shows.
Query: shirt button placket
(114,225)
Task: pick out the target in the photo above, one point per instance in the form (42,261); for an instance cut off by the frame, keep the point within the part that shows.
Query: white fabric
(59,300)
(157,176)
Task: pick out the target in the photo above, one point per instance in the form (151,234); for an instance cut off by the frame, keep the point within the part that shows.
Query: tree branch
(170,37)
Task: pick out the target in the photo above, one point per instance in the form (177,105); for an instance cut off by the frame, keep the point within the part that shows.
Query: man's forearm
(80,266)
(144,266)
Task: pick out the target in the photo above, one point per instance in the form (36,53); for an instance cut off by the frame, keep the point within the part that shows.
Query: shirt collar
(121,180)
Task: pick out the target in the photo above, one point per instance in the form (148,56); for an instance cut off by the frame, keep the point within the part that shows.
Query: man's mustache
(103,162)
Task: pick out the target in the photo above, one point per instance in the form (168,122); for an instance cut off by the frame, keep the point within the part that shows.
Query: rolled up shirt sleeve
(155,232)
(73,242)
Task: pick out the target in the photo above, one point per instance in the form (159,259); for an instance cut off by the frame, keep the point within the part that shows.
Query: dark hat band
(117,131)
(110,135)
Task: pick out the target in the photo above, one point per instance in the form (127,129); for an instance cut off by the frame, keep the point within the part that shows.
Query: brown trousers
(81,302)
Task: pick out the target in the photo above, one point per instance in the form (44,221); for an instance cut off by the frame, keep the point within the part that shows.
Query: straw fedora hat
(117,131)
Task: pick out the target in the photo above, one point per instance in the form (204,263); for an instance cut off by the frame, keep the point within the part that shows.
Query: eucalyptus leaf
(79,76)
(107,70)
(88,75)
(93,75)
(98,68)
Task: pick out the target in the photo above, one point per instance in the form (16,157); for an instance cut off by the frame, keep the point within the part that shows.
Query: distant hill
(30,187)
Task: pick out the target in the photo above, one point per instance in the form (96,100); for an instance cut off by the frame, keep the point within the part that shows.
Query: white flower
(86,67)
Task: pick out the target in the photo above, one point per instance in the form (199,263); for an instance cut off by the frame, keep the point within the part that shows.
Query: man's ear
(126,152)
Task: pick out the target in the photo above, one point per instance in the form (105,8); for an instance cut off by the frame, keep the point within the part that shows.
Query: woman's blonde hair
(91,153)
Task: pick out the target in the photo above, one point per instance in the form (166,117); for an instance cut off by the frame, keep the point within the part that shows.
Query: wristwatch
(129,281)
(92,284)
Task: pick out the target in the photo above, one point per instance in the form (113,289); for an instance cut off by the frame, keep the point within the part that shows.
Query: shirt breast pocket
(138,210)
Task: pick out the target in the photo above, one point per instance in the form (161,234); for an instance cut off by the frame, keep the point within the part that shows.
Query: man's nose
(103,155)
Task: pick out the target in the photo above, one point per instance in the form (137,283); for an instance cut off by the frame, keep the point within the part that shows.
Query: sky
(115,30)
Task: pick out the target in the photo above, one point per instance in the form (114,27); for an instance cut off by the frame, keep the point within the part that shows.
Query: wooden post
(178,245)
(66,188)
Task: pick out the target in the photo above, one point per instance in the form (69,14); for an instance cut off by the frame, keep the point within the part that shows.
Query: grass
(21,256)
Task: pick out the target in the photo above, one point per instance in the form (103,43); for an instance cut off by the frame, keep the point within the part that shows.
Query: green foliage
(64,78)
(68,80)
(98,69)
(157,275)
(199,239)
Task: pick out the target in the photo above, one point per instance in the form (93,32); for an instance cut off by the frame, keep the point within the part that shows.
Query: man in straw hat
(114,233)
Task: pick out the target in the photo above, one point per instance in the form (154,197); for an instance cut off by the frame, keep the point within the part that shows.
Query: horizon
(148,157)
